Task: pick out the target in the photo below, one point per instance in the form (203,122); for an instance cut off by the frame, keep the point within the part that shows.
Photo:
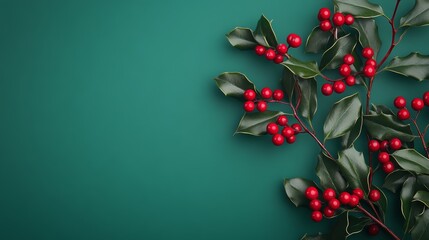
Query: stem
(421,135)
(378,222)
(394,31)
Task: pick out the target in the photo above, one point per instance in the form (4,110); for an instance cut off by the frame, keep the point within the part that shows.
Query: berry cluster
(417,104)
(288,132)
(369,69)
(266,93)
(277,54)
(345,70)
(338,19)
(382,148)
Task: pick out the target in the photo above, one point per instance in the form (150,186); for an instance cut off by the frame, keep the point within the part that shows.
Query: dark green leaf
(302,69)
(233,84)
(359,8)
(377,109)
(333,57)
(317,41)
(416,209)
(264,33)
(354,169)
(308,104)
(329,174)
(411,160)
(396,179)
(348,225)
(382,203)
(414,65)
(289,82)
(342,117)
(242,38)
(350,137)
(383,126)
(423,180)
(255,123)
(295,190)
(407,193)
(368,34)
(418,16)
(423,197)
(421,229)
(319,236)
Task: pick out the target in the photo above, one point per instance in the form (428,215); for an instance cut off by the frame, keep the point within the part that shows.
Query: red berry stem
(421,135)
(394,31)
(378,222)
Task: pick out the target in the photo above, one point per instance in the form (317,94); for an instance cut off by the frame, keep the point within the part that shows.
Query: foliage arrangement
(348,44)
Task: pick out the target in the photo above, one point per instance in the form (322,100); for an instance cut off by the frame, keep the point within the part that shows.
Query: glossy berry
(373,229)
(270,54)
(334,204)
(288,132)
(417,104)
(278,59)
(358,192)
(249,106)
(350,80)
(266,93)
(344,198)
(272,128)
(278,95)
(291,139)
(388,167)
(327,89)
(325,25)
(296,127)
(349,19)
(282,120)
(317,216)
(395,144)
(383,157)
(260,50)
(369,71)
(426,98)
(294,40)
(328,212)
(315,205)
(281,48)
(339,86)
(338,19)
(371,62)
(374,145)
(403,114)
(374,195)
(400,102)
(384,145)
(311,193)
(367,52)
(262,106)
(345,70)
(354,200)
(349,59)
(324,14)
(329,194)
(249,95)
(278,139)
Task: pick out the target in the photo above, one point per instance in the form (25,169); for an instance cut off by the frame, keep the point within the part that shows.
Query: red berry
(339,87)
(272,128)
(349,19)
(358,192)
(374,195)
(288,132)
(388,167)
(249,95)
(371,62)
(354,200)
(426,98)
(249,106)
(327,89)
(260,50)
(278,139)
(296,127)
(403,114)
(334,204)
(329,194)
(368,52)
(311,193)
(282,120)
(328,212)
(383,157)
(266,93)
(270,54)
(384,145)
(294,40)
(350,80)
(325,25)
(369,71)
(278,59)
(278,95)
(373,229)
(417,104)
(344,198)
(317,216)
(315,204)
(349,59)
(338,19)
(281,48)
(291,139)
(400,102)
(324,14)
(262,106)
(374,145)
(345,70)
(395,144)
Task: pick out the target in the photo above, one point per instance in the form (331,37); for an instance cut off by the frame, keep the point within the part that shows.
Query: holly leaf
(333,57)
(383,126)
(295,190)
(317,41)
(423,180)
(407,193)
(421,228)
(264,33)
(414,65)
(348,225)
(359,8)
(233,84)
(329,174)
(418,16)
(289,81)
(377,109)
(308,105)
(319,236)
(423,197)
(382,203)
(396,179)
(417,208)
(255,123)
(354,169)
(301,68)
(368,34)
(342,117)
(242,38)
(350,137)
(411,160)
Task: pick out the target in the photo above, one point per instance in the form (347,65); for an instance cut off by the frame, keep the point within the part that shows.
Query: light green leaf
(411,160)
(418,16)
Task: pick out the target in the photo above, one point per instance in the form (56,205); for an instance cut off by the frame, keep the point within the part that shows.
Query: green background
(111,126)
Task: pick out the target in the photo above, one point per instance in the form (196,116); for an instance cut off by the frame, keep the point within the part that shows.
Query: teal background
(111,126)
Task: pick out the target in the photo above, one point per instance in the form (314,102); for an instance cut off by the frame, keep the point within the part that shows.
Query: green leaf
(368,34)
(264,33)
(417,208)
(423,197)
(359,8)
(382,203)
(308,104)
(289,82)
(342,117)
(242,38)
(418,16)
(317,41)
(377,109)
(319,236)
(350,137)
(348,225)
(383,126)
(407,193)
(396,179)
(421,229)
(329,174)
(233,84)
(414,65)
(255,123)
(411,160)
(354,169)
(302,69)
(423,180)
(333,57)
(295,190)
